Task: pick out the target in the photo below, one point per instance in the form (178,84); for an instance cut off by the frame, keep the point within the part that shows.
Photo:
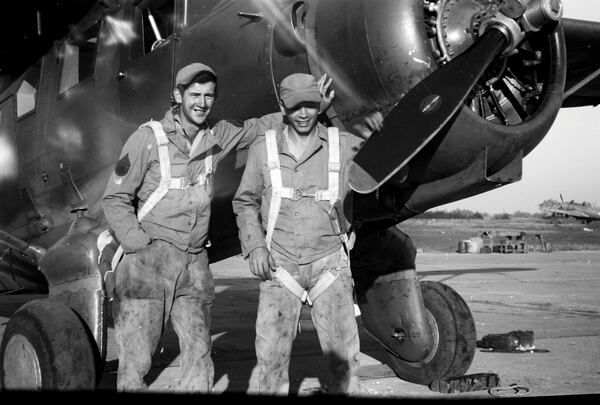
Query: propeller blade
(421,113)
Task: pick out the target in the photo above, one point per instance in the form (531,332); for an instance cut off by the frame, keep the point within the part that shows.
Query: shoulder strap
(333,192)
(165,168)
(208,161)
(334,164)
(277,190)
(276,183)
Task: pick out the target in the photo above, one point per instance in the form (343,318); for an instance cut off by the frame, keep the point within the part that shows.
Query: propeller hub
(509,27)
(540,13)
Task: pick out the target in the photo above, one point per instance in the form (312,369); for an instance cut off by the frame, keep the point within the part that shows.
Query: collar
(177,122)
(321,140)
(281,134)
(175,131)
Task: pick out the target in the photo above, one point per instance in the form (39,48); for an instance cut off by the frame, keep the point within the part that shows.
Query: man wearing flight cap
(294,232)
(161,221)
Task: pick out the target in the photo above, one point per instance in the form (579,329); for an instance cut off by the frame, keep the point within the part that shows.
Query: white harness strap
(277,189)
(308,297)
(278,192)
(166,181)
(165,168)
(333,192)
(208,169)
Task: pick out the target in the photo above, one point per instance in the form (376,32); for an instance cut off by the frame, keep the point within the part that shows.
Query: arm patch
(123,166)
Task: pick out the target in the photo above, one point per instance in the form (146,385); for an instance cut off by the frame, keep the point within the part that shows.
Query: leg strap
(295,288)
(322,284)
(291,284)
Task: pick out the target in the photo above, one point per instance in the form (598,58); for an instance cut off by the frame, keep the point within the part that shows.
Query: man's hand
(351,240)
(262,263)
(369,124)
(326,95)
(374,121)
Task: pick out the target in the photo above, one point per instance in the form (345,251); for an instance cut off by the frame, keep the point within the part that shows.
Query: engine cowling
(376,54)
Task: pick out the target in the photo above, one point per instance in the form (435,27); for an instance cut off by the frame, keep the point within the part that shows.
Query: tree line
(468,214)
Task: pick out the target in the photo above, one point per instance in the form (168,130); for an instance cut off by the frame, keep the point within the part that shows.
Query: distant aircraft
(467,88)
(584,211)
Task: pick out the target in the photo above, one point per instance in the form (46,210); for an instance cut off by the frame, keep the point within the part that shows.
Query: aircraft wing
(583,61)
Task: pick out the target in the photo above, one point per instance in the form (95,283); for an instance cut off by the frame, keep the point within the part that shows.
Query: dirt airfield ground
(554,294)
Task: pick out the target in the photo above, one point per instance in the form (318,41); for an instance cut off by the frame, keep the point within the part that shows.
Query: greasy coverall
(305,244)
(164,272)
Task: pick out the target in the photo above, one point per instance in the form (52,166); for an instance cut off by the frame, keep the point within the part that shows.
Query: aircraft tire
(455,337)
(46,346)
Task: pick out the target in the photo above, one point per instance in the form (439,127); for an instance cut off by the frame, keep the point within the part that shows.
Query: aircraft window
(79,58)
(159,18)
(27,91)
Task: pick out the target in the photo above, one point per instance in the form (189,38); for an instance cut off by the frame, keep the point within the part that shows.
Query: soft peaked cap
(298,88)
(187,73)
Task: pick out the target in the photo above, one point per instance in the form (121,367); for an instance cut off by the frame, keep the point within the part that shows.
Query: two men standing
(158,205)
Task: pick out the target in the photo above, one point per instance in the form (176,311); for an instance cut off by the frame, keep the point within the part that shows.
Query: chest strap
(166,181)
(278,191)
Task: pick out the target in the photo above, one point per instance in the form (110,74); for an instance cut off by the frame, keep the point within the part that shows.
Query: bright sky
(567,160)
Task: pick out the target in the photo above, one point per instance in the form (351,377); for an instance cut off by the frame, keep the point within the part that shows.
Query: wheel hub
(21,365)
(435,342)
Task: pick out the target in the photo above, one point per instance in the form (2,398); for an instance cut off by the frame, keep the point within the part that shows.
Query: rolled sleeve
(247,203)
(117,201)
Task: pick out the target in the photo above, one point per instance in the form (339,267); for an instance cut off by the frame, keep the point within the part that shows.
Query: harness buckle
(299,193)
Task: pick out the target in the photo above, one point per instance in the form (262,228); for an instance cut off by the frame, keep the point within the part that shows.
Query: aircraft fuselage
(63,150)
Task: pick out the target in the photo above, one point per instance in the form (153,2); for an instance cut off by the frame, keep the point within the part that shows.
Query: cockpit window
(78,57)
(27,91)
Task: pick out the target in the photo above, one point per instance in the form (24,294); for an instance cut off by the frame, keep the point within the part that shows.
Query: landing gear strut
(426,327)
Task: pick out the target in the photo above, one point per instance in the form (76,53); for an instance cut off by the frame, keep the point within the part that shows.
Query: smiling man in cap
(161,222)
(295,234)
